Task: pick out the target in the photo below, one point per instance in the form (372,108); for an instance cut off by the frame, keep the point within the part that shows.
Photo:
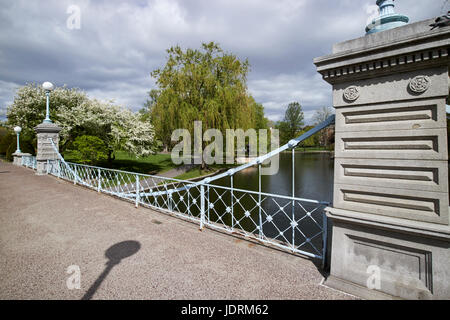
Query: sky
(109,48)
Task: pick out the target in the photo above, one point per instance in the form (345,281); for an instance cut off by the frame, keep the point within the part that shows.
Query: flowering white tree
(119,128)
(28,107)
(77,115)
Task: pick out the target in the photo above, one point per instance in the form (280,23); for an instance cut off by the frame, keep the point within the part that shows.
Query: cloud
(280,90)
(121,42)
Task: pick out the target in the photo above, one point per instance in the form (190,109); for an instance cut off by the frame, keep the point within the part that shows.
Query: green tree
(77,115)
(28,107)
(8,144)
(89,149)
(292,123)
(205,85)
(312,141)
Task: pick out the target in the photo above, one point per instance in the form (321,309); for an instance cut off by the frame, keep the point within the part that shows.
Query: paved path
(47,225)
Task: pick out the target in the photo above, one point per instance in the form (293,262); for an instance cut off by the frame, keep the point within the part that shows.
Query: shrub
(8,145)
(89,149)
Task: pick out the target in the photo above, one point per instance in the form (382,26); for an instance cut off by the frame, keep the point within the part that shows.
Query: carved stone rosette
(351,93)
(420,84)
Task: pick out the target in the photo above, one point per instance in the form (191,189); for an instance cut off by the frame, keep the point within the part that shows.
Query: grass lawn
(313,149)
(197,172)
(154,165)
(148,165)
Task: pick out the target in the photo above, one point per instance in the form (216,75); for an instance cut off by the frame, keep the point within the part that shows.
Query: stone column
(45,151)
(390,213)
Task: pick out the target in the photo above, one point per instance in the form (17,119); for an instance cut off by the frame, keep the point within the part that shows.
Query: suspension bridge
(54,221)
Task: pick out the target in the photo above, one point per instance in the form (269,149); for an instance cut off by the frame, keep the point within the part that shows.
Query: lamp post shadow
(114,254)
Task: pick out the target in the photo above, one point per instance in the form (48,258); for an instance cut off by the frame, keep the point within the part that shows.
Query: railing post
(59,169)
(232,203)
(202,206)
(75,175)
(137,191)
(207,215)
(48,166)
(99,180)
(259,202)
(293,201)
(189,202)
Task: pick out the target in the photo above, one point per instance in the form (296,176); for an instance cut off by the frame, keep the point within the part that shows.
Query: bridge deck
(47,225)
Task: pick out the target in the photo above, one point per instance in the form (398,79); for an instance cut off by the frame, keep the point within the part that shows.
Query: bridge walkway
(47,225)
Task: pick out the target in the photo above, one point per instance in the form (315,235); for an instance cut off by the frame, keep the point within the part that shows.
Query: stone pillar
(390,213)
(17,158)
(45,151)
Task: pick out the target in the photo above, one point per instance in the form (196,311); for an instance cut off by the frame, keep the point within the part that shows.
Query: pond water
(313,177)
(313,180)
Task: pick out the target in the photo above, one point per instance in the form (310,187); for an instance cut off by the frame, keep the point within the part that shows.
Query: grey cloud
(121,42)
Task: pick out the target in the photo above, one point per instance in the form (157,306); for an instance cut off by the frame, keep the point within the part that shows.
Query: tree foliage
(119,128)
(322,114)
(311,141)
(8,143)
(77,115)
(205,85)
(326,136)
(89,149)
(28,107)
(292,123)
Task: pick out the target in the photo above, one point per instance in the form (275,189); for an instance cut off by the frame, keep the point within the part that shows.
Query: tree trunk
(111,156)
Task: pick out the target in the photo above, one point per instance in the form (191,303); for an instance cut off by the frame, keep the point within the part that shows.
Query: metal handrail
(204,202)
(290,145)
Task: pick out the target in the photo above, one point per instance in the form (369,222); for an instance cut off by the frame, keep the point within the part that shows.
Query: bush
(89,150)
(5,140)
(8,145)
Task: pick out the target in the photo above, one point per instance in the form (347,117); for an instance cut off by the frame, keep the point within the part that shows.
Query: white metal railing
(29,162)
(287,222)
(294,224)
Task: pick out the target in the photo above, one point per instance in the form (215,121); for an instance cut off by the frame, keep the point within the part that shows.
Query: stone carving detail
(419,84)
(351,93)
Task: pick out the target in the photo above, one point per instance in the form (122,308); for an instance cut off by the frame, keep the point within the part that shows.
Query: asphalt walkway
(48,225)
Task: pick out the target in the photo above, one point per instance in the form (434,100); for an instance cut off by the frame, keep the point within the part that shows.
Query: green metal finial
(388,19)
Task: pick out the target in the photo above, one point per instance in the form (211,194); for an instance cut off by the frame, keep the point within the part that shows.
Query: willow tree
(205,85)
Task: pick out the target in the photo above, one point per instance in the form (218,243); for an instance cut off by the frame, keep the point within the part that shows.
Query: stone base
(41,168)
(357,290)
(378,257)
(17,160)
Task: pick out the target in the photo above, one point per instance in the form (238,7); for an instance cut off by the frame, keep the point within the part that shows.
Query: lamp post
(48,87)
(388,19)
(17,130)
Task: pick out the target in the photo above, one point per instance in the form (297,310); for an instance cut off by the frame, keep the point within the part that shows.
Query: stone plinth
(45,151)
(17,158)
(390,214)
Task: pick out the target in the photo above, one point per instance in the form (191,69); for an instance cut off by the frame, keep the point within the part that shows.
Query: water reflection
(313,177)
(313,180)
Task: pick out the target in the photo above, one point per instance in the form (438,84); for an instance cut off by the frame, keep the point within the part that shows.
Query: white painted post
(137,191)
(259,202)
(232,203)
(99,180)
(202,206)
(293,201)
